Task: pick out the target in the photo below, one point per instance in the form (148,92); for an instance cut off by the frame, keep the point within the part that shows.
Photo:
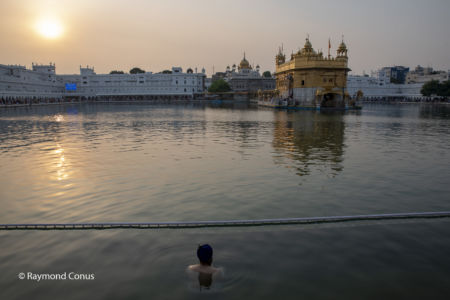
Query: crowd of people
(24,101)
(405,99)
(29,101)
(20,101)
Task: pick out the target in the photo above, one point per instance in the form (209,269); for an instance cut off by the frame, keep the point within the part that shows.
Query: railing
(224,223)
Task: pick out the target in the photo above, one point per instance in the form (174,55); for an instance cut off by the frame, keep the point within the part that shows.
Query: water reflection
(139,163)
(435,111)
(307,140)
(59,164)
(58,118)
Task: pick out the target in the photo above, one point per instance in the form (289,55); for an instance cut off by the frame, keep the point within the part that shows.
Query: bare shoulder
(193,268)
(204,269)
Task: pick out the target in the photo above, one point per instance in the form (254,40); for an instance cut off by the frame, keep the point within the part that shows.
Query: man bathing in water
(205,271)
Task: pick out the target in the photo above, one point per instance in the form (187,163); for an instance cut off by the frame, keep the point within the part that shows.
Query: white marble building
(423,75)
(42,82)
(373,87)
(378,85)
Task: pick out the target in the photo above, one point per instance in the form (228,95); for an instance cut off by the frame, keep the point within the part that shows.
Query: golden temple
(310,79)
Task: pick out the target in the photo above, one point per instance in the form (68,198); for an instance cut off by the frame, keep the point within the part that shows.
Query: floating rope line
(226,223)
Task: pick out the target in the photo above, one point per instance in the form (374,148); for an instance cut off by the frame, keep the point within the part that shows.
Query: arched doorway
(332,100)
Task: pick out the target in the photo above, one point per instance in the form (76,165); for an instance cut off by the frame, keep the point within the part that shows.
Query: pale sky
(158,34)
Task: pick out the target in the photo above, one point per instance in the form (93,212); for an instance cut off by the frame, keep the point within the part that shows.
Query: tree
(430,88)
(166,72)
(219,86)
(116,72)
(444,89)
(267,74)
(136,70)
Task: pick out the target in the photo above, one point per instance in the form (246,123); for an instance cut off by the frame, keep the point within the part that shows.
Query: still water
(187,162)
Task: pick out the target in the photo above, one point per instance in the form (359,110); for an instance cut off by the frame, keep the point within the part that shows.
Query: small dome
(307,49)
(342,50)
(308,44)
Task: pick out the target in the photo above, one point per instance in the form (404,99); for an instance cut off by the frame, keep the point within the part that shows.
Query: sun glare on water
(48,28)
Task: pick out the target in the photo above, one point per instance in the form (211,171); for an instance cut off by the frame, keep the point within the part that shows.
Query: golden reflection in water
(59,118)
(59,163)
(309,140)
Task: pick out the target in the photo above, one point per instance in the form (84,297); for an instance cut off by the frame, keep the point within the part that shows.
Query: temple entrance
(332,100)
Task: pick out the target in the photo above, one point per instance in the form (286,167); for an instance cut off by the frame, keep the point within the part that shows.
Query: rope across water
(225,223)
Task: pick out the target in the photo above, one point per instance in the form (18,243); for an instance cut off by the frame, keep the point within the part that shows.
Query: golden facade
(311,79)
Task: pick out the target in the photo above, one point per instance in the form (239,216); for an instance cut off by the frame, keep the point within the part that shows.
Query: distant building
(381,85)
(42,82)
(208,82)
(423,75)
(396,74)
(245,78)
(218,75)
(374,87)
(176,83)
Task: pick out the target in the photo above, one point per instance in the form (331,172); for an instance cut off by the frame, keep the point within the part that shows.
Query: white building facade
(380,85)
(42,82)
(19,82)
(373,87)
(423,75)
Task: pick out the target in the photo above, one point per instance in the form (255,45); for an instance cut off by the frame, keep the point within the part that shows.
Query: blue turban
(204,253)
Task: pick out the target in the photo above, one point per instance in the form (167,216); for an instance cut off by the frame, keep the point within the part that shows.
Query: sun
(49,28)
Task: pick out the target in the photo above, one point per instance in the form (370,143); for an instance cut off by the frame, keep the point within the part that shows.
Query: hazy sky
(156,35)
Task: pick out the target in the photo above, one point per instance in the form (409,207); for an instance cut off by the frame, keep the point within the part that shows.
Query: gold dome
(244,63)
(307,49)
(308,44)
(342,46)
(342,50)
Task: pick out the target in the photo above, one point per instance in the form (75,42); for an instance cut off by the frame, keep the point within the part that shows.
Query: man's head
(204,254)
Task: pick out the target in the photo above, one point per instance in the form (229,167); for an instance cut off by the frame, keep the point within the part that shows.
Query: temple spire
(329,47)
